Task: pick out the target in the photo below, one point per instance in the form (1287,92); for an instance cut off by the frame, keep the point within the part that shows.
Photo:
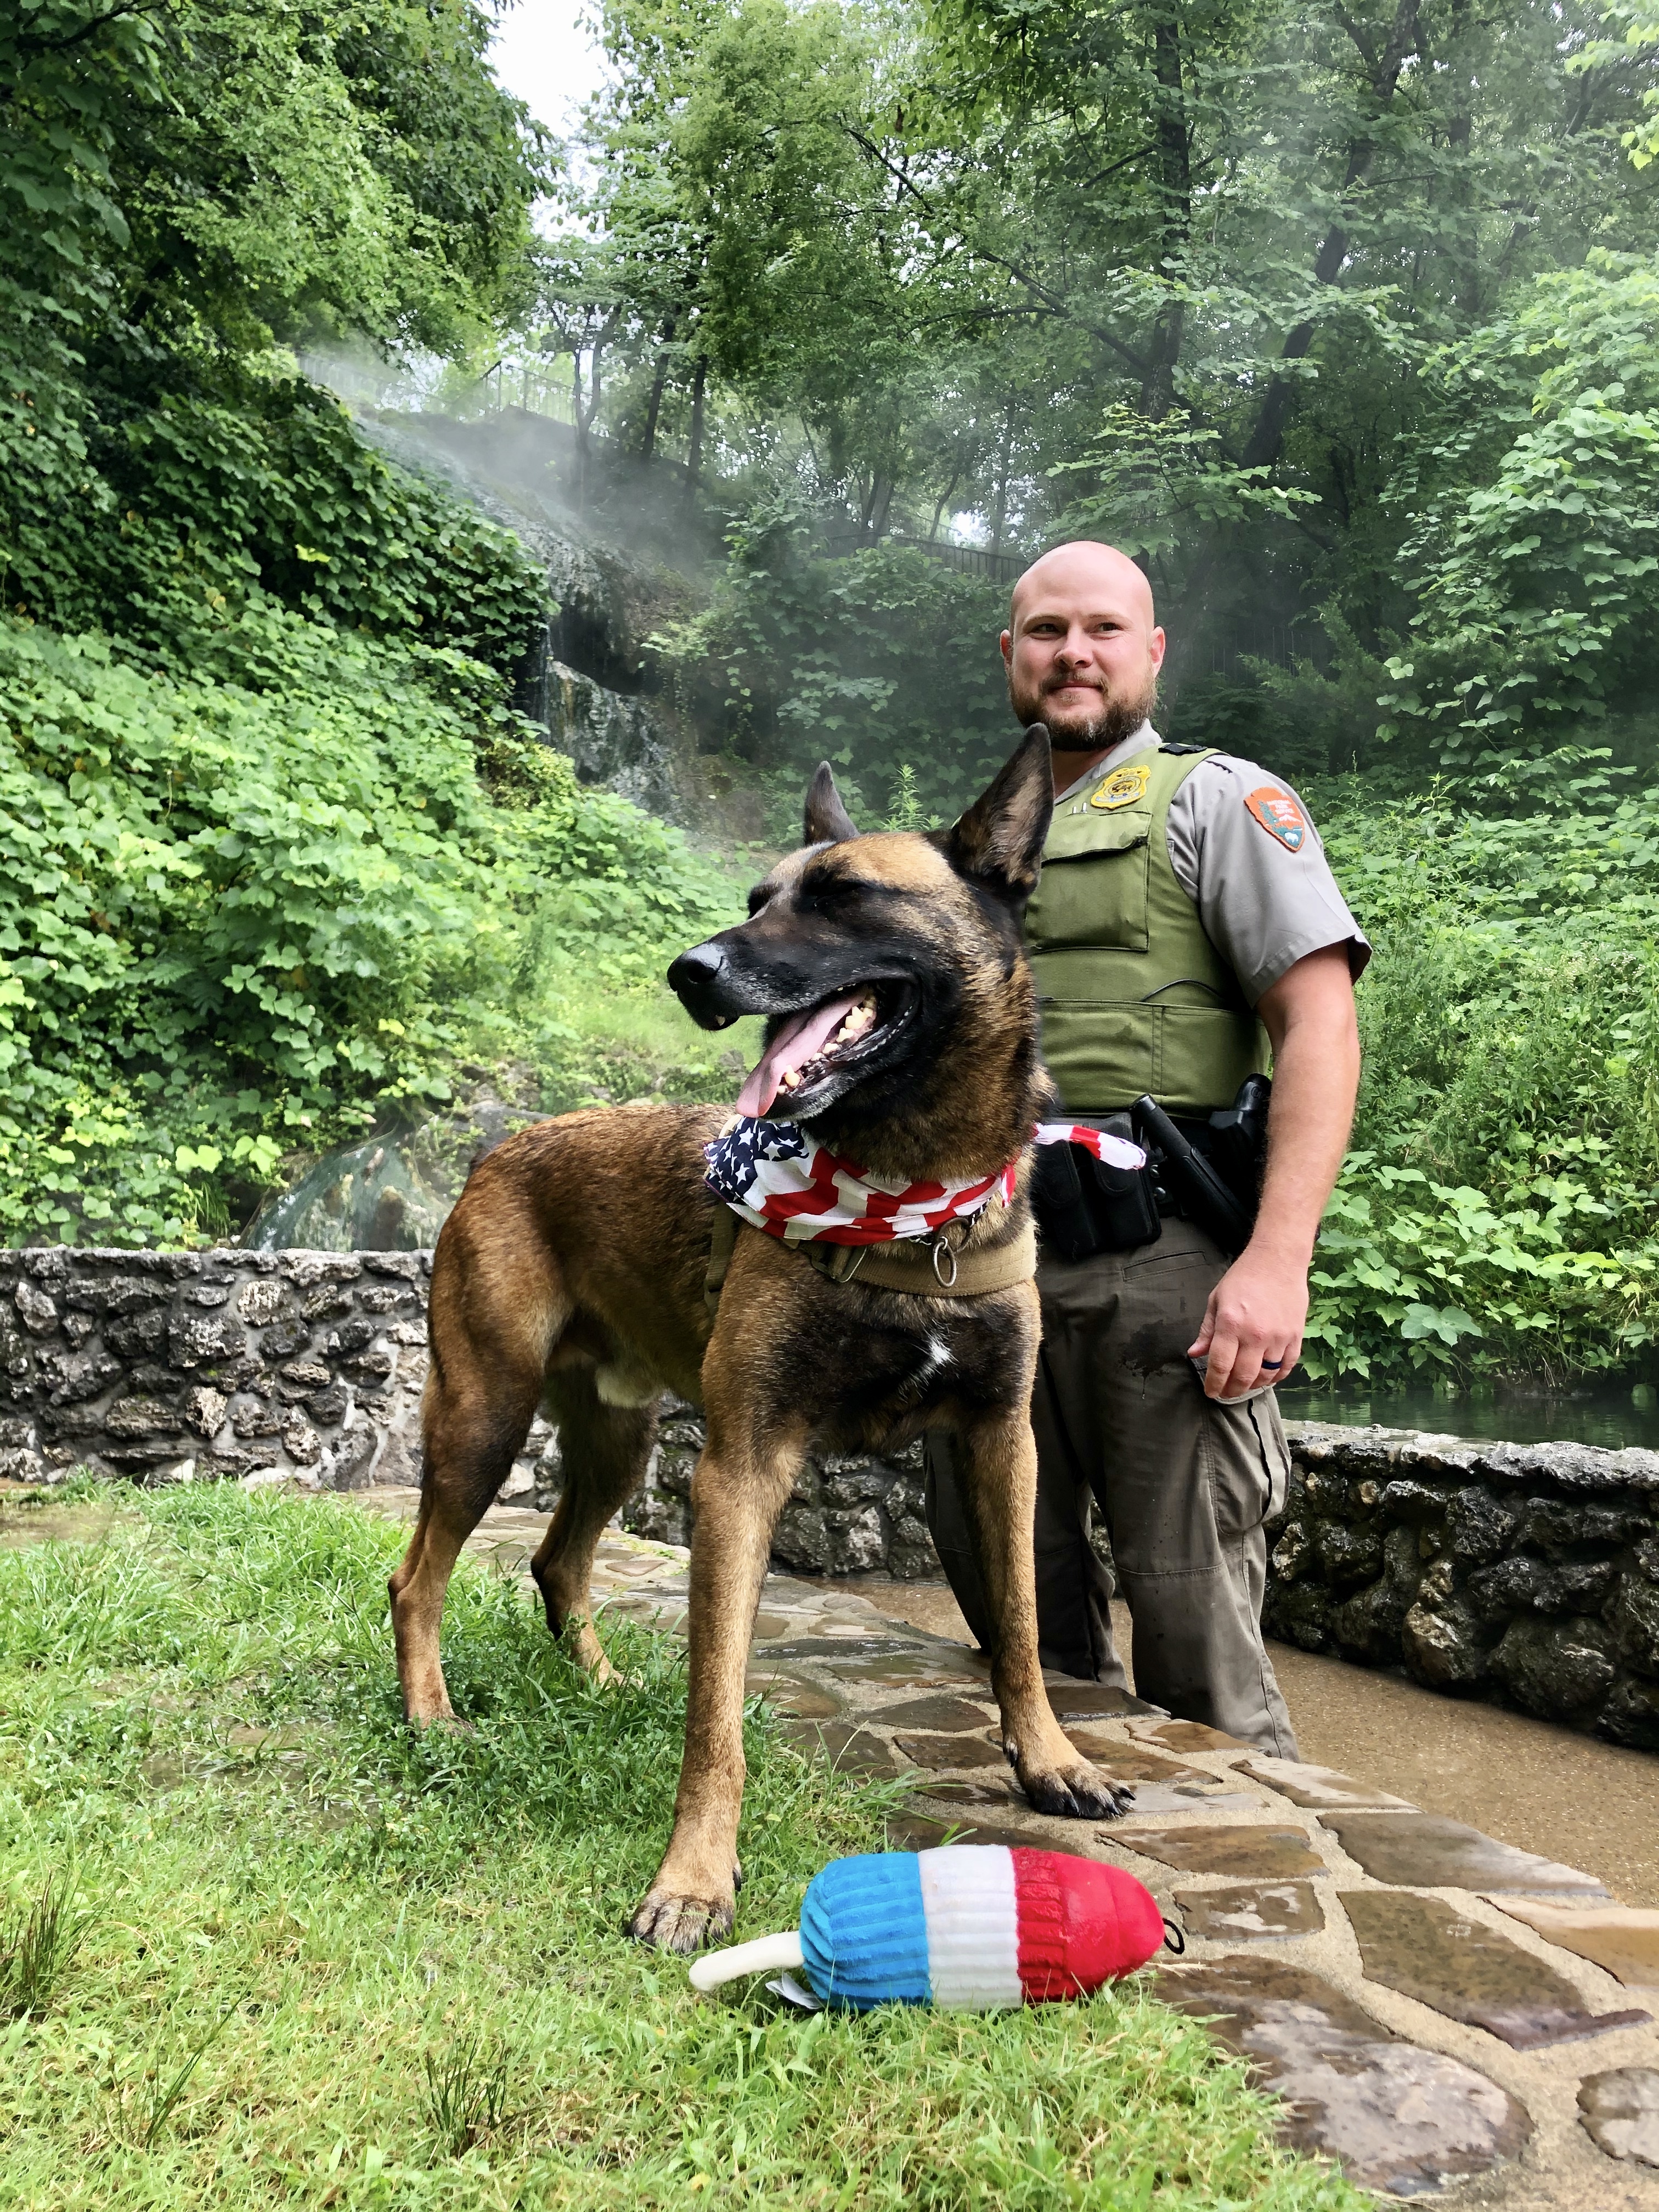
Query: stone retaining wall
(1525,1573)
(304,1366)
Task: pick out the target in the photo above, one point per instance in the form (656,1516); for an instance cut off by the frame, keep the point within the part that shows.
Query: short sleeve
(1245,851)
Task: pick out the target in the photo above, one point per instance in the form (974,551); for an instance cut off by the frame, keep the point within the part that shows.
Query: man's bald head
(1088,565)
(1082,647)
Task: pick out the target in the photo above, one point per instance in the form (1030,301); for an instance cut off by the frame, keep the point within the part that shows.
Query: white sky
(545,53)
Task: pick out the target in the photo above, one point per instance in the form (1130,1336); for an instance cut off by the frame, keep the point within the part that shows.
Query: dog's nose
(696,979)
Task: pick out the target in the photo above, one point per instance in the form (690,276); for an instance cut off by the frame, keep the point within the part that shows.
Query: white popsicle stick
(764,1955)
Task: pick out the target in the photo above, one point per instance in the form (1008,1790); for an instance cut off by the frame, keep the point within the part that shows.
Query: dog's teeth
(791,1079)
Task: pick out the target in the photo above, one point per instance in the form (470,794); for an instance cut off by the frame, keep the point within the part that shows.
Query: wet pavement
(1543,1788)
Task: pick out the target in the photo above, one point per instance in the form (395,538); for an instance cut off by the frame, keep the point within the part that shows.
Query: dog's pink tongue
(795,1043)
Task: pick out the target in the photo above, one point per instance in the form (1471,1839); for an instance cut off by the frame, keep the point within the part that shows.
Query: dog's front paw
(1076,1791)
(685,1925)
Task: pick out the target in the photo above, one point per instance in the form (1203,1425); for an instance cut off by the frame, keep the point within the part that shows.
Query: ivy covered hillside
(274,847)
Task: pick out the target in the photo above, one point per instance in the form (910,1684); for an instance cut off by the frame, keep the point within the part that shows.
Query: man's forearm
(1316,1082)
(1253,1326)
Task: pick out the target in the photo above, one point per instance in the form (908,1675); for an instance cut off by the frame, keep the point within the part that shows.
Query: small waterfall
(586,681)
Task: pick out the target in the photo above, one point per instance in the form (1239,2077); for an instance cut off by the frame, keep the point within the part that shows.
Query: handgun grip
(1214,1207)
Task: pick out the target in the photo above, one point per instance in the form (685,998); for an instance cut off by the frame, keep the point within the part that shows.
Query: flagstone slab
(1158,1797)
(1270,1853)
(1427,1949)
(1624,1939)
(1393,2116)
(844,1654)
(1425,1851)
(769,1624)
(946,1752)
(1321,1787)
(800,1701)
(1190,1735)
(1131,1762)
(918,1832)
(905,1670)
(1092,1701)
(975,1790)
(940,1715)
(1620,2112)
(848,1746)
(1252,1909)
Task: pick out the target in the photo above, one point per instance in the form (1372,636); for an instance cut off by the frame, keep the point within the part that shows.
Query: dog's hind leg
(603,1450)
(490,1348)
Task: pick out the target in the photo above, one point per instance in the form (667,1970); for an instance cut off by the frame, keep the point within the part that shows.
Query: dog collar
(779,1179)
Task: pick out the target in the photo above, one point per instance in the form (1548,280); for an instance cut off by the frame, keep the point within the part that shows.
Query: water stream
(1612,1414)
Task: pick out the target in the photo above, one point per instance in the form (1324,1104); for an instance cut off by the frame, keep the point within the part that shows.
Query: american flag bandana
(777,1178)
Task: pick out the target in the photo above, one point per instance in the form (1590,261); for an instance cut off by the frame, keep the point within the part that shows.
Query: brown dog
(573,1268)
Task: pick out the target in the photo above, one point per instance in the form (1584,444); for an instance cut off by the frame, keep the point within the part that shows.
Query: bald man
(1186,922)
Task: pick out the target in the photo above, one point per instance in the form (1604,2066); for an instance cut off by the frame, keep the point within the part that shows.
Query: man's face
(1083,654)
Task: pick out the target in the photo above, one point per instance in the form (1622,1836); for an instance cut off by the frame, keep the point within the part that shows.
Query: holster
(1084,1207)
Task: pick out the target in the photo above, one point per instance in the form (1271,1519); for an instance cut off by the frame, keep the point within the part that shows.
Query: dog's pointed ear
(999,841)
(826,821)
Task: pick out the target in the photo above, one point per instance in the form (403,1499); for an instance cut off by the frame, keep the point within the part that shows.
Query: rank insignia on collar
(1123,787)
(1279,816)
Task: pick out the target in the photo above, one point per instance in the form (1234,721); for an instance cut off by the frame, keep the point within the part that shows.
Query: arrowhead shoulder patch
(1279,816)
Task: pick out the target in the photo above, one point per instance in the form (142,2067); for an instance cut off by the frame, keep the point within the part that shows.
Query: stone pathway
(1442,2013)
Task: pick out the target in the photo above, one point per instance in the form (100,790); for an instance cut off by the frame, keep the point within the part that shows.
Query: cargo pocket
(1249,1466)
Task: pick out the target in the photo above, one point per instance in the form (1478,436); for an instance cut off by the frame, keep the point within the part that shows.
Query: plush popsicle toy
(972,1926)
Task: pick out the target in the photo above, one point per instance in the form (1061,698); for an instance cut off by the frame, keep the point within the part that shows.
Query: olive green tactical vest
(1134,997)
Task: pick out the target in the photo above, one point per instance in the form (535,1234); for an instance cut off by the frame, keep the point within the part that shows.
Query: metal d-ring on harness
(936,1266)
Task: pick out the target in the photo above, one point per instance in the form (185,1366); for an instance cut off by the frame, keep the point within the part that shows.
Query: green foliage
(199,494)
(256,906)
(882,661)
(1497,1214)
(283,1872)
(1534,510)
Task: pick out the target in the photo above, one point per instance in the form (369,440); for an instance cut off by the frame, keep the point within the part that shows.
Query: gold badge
(1123,787)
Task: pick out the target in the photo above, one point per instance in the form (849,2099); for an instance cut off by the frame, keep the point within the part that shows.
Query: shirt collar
(1138,741)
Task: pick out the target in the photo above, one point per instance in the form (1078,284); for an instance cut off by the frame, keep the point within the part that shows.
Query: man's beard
(1108,725)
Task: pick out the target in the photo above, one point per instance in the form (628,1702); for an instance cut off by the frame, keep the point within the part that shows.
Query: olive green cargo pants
(1184,1484)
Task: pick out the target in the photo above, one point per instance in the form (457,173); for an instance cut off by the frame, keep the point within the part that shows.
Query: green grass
(331,1963)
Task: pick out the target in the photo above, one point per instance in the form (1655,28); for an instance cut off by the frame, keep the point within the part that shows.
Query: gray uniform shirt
(1266,896)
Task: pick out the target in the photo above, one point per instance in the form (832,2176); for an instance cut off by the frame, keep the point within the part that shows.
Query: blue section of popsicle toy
(863,1933)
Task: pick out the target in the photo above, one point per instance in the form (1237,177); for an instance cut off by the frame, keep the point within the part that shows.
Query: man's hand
(1252,1327)
(1253,1324)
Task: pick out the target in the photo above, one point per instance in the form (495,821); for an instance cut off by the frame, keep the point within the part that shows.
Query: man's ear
(826,821)
(999,841)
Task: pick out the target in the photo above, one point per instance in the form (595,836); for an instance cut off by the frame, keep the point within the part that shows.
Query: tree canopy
(1339,317)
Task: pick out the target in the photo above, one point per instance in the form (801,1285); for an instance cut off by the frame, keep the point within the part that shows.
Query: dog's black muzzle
(701,979)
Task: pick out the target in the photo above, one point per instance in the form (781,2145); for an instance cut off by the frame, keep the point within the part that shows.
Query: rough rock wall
(1528,1574)
(304,1366)
(1524,1573)
(848,1513)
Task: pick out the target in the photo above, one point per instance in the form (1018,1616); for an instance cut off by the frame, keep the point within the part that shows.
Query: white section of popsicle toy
(765,1954)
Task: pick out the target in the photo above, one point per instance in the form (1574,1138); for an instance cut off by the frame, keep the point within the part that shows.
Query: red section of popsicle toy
(1080,1923)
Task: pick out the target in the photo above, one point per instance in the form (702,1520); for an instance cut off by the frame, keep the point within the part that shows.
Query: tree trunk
(648,444)
(999,505)
(694,456)
(1176,186)
(1268,437)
